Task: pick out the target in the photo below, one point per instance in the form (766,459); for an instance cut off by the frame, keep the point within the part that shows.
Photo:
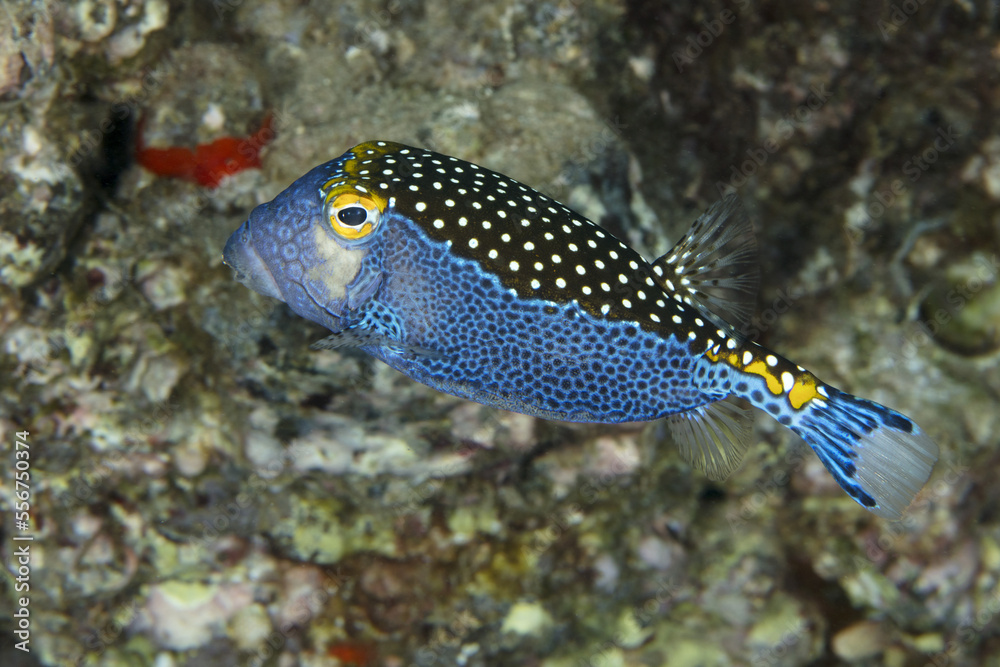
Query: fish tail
(878,456)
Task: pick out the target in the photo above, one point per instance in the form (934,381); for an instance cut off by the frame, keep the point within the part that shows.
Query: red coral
(360,654)
(208,163)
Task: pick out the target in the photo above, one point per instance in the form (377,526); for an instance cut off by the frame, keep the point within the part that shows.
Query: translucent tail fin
(877,455)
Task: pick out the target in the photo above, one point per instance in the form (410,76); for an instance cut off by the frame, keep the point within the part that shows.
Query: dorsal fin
(715,265)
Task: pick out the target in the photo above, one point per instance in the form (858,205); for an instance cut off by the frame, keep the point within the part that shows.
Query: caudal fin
(877,455)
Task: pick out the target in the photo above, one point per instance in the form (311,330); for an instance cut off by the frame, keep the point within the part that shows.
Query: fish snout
(240,255)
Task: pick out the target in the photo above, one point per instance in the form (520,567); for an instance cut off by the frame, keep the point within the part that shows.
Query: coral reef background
(206,490)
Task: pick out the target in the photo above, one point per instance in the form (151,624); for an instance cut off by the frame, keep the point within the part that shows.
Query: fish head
(307,246)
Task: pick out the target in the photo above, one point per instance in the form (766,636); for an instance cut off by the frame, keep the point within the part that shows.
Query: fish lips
(240,255)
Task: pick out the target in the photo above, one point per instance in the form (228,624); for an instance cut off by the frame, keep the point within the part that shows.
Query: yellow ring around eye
(350,232)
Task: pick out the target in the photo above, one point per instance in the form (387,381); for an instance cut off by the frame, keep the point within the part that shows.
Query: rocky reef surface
(207,490)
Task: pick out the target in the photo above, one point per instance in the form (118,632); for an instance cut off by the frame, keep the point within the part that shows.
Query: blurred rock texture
(208,491)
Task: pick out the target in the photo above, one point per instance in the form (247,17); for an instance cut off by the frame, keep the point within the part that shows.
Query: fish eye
(353,216)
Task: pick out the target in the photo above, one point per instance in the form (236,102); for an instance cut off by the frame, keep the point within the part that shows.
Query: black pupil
(353,216)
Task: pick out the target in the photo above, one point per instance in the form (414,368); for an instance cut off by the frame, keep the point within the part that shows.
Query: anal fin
(714,437)
(715,265)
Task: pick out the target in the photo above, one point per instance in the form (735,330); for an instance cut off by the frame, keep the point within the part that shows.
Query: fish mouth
(240,255)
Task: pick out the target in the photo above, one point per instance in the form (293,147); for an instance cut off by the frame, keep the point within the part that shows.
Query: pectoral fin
(375,326)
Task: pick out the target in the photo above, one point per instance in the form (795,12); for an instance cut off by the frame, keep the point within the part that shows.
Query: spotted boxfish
(479,286)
